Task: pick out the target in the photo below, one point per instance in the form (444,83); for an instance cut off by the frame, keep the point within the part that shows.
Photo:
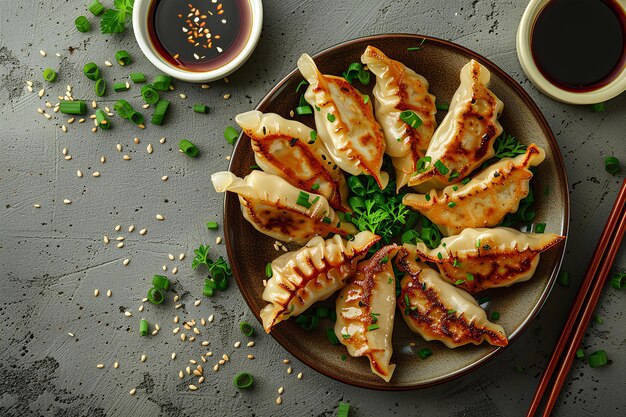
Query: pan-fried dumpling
(464,140)
(365,312)
(310,274)
(436,310)
(345,122)
(485,200)
(290,150)
(478,259)
(280,210)
(400,89)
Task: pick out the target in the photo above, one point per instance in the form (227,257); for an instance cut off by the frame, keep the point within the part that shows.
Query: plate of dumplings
(396,211)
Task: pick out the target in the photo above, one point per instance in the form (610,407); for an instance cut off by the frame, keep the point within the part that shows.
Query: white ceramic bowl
(140,27)
(524,31)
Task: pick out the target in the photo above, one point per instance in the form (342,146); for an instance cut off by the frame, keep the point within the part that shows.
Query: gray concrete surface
(52,258)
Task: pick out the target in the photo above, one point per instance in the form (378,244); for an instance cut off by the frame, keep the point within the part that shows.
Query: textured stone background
(53,258)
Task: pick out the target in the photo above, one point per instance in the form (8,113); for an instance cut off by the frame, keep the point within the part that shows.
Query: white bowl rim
(524,54)
(140,28)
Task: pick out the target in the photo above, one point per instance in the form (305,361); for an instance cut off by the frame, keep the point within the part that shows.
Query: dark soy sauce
(580,45)
(199,35)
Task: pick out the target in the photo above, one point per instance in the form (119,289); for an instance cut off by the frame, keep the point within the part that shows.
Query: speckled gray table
(52,258)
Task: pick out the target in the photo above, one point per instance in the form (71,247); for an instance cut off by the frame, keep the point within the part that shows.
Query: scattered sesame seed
(105,239)
(181,374)
(176,330)
(64,128)
(225,357)
(127,85)
(47,116)
(192,338)
(291,113)
(289,370)
(265,283)
(128,313)
(149,148)
(58,54)
(100,366)
(29,88)
(237,344)
(195,329)
(177,306)
(40,111)
(188,369)
(96,174)
(42,53)
(205,343)
(285,361)
(227,157)
(160,217)
(164,267)
(143,231)
(41,92)
(216,367)
(29,83)
(109,293)
(164,178)
(131,228)
(126,261)
(68,158)
(201,379)
(67,201)
(116,364)
(300,375)
(211,318)
(120,238)
(281,390)
(221,362)
(174,270)
(133,391)
(118,227)
(162,140)
(176,319)
(218,240)
(250,344)
(140,309)
(120,245)
(193,387)
(197,303)
(170,256)
(227,96)
(81,120)
(176,297)
(284,248)
(183,96)
(118,147)
(145,299)
(250,356)
(205,86)
(126,157)
(108,64)
(70,120)
(96,292)
(193,361)
(143,358)
(94,129)
(183,337)
(202,321)
(154,332)
(173,355)
(136,140)
(209,354)
(279,400)
(276,247)
(181,256)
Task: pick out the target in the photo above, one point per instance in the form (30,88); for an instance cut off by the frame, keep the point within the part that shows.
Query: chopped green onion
(315,187)
(123,108)
(137,77)
(563,278)
(82,24)
(322,312)
(597,107)
(222,282)
(162,82)
(303,200)
(301,110)
(451,311)
(301,84)
(366,98)
(246,328)
(540,227)
(209,287)
(91,71)
(598,319)
(331,336)
(155,295)
(611,165)
(468,276)
(442,106)
(73,107)
(243,380)
(143,327)
(49,75)
(580,353)
(454,175)
(619,281)
(343,410)
(422,164)
(149,94)
(427,197)
(122,57)
(230,134)
(211,225)
(96,7)
(102,120)
(161,282)
(443,170)
(313,135)
(201,108)
(307,322)
(120,87)
(100,87)
(495,315)
(373,327)
(459,282)
(356,186)
(424,353)
(465,181)
(268,270)
(439,255)
(331,117)
(136,117)
(160,110)
(410,118)
(597,359)
(326,220)
(451,204)
(482,300)
(188,148)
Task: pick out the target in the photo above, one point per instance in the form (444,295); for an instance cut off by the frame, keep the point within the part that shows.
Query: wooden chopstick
(584,305)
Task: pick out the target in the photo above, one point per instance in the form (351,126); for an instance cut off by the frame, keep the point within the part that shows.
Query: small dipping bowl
(525,56)
(141,16)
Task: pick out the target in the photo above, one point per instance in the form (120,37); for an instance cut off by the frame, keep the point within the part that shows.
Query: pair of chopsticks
(583,307)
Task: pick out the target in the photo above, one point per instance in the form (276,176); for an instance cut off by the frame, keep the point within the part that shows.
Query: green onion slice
(73,107)
(122,57)
(268,270)
(246,328)
(331,117)
(597,107)
(619,281)
(211,225)
(611,165)
(149,94)
(102,120)
(162,82)
(136,117)
(91,71)
(208,291)
(302,110)
(303,200)
(422,164)
(82,24)
(231,135)
(137,77)
(495,315)
(410,118)
(356,186)
(442,106)
(143,327)
(201,108)
(49,75)
(161,282)
(123,108)
(100,87)
(160,110)
(343,410)
(424,353)
(96,7)
(155,295)
(188,148)
(540,227)
(120,87)
(243,380)
(443,170)
(563,278)
(302,83)
(331,336)
(597,359)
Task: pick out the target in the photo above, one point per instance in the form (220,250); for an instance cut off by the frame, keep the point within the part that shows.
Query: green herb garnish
(115,20)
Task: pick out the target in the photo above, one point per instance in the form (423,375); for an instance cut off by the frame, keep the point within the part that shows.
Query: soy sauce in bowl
(199,35)
(580,45)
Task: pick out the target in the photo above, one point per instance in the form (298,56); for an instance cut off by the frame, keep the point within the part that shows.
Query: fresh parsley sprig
(220,270)
(115,20)
(507,146)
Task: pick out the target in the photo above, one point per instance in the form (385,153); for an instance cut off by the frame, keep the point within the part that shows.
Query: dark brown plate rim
(558,159)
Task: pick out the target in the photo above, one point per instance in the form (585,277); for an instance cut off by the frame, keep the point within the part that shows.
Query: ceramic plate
(249,251)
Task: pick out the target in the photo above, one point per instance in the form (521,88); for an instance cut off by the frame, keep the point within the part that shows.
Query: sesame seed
(265,283)
(132,391)
(120,245)
(181,374)
(193,387)
(221,362)
(145,299)
(162,140)
(81,120)
(164,178)
(105,239)
(42,53)
(300,375)
(250,344)
(227,157)
(100,366)
(68,157)
(192,338)
(140,309)
(36,205)
(176,319)
(116,364)
(281,390)
(29,83)
(218,240)
(211,318)
(126,157)
(149,148)
(67,201)
(289,370)
(41,92)
(108,64)
(173,355)
(205,343)
(216,367)
(118,147)
(143,358)
(128,313)
(276,247)
(29,88)
(291,113)
(164,267)
(58,54)
(64,128)
(118,227)
(176,297)
(201,379)
(196,331)
(127,85)
(225,357)
(188,369)
(96,292)
(197,303)
(197,373)
(136,140)
(183,96)
(183,337)
(209,353)
(154,332)
(250,356)
(174,270)
(227,96)
(237,344)
(109,293)
(202,321)
(131,228)
(285,361)
(94,104)
(120,238)
(205,86)
(40,111)
(176,330)
(126,261)
(96,174)
(160,217)
(143,231)
(181,256)
(47,116)
(279,400)
(170,256)
(70,120)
